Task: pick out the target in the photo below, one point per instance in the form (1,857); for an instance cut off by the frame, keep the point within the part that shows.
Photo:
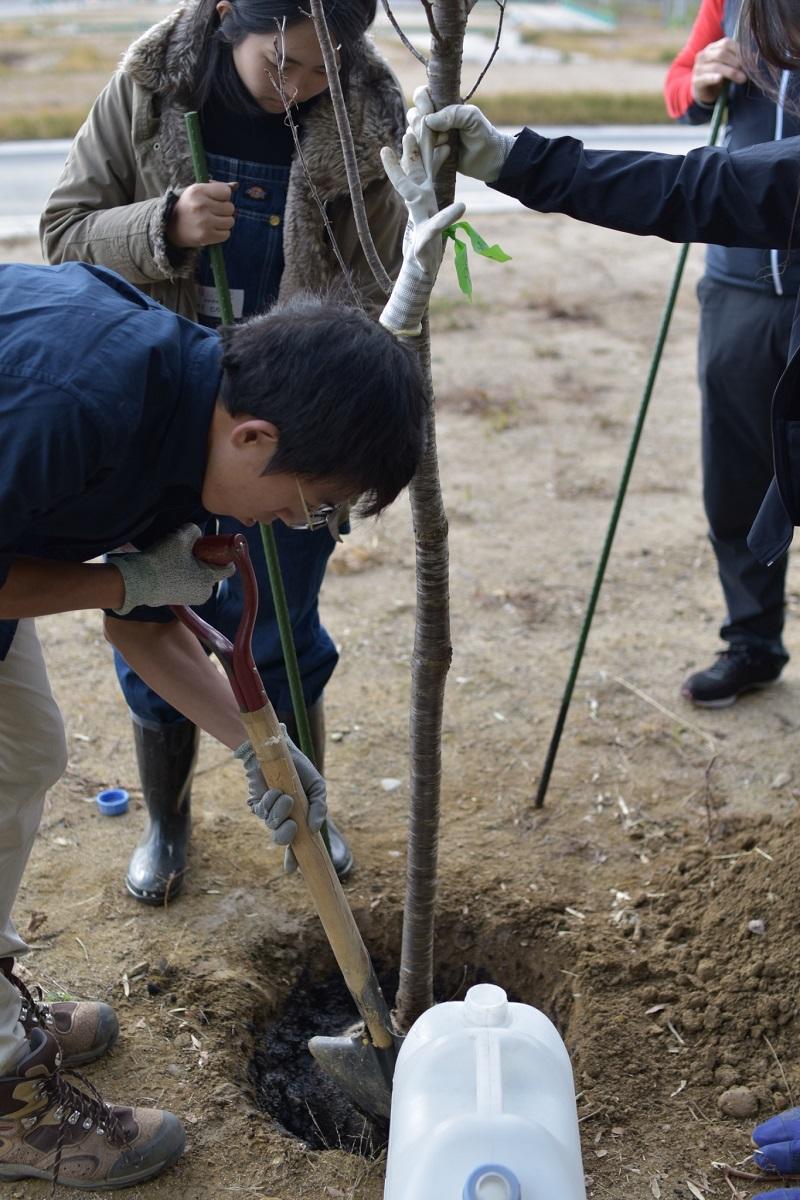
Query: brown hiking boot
(51,1129)
(85,1029)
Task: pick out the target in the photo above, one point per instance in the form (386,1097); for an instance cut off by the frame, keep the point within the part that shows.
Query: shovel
(363,1064)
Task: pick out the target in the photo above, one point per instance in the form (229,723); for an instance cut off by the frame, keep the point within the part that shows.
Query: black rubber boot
(341,854)
(166,758)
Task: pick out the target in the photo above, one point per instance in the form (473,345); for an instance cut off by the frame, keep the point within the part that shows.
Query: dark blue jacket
(105,404)
(745,197)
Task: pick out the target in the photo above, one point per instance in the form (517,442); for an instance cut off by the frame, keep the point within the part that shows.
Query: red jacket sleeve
(678,84)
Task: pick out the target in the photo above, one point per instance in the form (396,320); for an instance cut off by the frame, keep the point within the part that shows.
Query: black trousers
(743,347)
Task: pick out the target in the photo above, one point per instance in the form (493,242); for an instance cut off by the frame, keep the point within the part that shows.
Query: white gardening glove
(167,573)
(413,178)
(482,148)
(273,806)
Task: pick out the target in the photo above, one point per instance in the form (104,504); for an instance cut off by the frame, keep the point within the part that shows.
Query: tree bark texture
(432,648)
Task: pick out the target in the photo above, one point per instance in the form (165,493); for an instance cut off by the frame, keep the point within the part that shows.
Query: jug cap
(492,1182)
(486,1004)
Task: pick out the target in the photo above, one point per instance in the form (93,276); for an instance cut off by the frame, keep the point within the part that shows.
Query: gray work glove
(482,150)
(167,573)
(273,806)
(414,178)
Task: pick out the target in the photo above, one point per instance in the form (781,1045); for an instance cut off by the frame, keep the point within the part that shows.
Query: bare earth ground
(622,909)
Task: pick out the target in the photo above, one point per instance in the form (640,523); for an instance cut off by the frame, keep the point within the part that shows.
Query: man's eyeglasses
(315,518)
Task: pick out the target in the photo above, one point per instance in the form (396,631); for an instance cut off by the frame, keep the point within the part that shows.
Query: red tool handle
(236,659)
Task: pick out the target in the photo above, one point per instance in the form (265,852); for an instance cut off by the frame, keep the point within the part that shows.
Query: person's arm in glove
(482,149)
(778,1150)
(413,178)
(167,573)
(274,806)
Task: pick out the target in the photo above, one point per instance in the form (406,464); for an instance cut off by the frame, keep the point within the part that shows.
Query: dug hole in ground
(625,910)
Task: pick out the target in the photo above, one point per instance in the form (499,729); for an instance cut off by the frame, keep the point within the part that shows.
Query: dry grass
(36,123)
(660,48)
(574,108)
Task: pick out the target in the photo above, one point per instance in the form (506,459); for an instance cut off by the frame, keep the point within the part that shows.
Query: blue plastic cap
(492,1182)
(112,802)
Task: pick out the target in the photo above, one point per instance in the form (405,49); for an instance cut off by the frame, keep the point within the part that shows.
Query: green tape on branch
(479,245)
(462,267)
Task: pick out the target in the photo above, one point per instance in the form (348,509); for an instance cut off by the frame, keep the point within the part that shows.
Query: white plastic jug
(483,1106)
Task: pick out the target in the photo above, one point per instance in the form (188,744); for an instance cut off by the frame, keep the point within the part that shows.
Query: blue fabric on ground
(783,1127)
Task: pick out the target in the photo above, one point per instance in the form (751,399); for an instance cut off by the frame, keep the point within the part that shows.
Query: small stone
(738,1102)
(390,785)
(706,969)
(757,927)
(174,1070)
(677,932)
(781,779)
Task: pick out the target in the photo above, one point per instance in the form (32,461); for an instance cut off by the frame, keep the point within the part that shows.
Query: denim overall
(254,263)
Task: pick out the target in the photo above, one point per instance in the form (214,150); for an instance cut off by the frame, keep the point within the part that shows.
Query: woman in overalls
(126,200)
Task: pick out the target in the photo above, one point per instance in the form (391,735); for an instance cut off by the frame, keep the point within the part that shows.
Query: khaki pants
(33,756)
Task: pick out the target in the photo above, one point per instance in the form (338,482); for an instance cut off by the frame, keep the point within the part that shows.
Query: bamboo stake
(600,571)
(217,259)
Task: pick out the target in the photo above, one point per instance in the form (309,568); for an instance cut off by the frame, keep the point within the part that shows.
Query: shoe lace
(72,1104)
(34,1011)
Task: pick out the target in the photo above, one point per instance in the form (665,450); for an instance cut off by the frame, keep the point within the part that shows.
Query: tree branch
(279,85)
(403,38)
(428,6)
(501,4)
(348,148)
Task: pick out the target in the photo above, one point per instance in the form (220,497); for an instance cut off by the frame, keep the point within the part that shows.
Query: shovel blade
(360,1069)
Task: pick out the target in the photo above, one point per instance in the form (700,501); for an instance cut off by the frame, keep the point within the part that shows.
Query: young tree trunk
(432,648)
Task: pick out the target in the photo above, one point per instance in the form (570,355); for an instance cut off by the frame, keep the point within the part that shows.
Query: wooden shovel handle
(320,877)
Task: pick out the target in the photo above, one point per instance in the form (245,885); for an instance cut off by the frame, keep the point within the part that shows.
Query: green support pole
(663,330)
(267,536)
(217,258)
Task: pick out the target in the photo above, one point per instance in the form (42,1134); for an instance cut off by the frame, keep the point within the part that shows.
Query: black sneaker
(740,669)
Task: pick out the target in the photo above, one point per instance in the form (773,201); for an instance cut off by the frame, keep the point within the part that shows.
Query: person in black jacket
(747,299)
(748,197)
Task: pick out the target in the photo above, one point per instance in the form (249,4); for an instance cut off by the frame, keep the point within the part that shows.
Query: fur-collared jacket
(131,157)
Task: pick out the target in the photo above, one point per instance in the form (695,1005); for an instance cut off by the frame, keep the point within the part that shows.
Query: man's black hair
(347,20)
(347,397)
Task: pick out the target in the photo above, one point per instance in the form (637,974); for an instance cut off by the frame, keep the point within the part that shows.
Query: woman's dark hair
(348,398)
(771,29)
(347,20)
